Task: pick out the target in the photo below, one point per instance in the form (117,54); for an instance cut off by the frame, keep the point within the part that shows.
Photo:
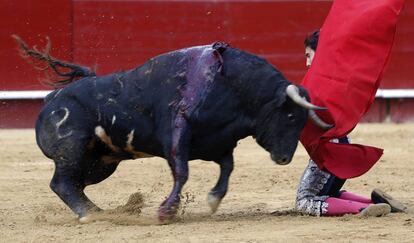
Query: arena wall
(114,35)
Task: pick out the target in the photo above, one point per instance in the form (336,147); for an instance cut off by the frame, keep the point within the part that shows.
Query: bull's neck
(256,93)
(254,80)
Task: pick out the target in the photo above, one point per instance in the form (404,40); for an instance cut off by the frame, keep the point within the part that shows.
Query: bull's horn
(293,92)
(318,121)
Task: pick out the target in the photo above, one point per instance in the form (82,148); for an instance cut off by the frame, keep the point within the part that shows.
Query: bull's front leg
(178,162)
(220,189)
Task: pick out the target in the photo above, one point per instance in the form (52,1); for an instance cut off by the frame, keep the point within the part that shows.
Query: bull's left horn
(293,92)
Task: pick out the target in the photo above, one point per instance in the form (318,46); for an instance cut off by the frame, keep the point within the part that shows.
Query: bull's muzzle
(281,159)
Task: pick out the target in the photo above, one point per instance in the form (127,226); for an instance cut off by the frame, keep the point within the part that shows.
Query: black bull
(194,103)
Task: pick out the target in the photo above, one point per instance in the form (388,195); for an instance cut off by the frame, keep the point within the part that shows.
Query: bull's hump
(218,46)
(194,49)
(203,63)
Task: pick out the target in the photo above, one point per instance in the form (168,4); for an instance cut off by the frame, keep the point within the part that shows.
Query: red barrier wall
(33,21)
(19,113)
(400,71)
(117,36)
(114,35)
(402,110)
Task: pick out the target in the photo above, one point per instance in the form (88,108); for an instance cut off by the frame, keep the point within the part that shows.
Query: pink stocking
(337,206)
(354,197)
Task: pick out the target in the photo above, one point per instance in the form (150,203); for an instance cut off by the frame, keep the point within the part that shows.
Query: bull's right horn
(318,121)
(293,92)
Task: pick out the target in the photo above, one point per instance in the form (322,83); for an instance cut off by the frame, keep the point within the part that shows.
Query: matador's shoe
(378,196)
(376,210)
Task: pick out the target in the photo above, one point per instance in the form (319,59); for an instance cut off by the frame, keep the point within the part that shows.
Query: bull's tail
(58,73)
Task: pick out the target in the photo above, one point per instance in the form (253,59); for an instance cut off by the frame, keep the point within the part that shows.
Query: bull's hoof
(87,216)
(85,220)
(166,215)
(213,202)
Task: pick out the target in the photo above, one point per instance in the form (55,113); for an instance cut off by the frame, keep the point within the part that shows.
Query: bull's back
(143,102)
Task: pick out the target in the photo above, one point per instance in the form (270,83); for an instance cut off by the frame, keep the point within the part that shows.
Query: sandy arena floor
(256,209)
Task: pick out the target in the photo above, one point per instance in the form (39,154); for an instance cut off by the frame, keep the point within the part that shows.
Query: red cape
(353,49)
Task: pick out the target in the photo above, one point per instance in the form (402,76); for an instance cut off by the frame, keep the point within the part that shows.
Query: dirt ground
(256,209)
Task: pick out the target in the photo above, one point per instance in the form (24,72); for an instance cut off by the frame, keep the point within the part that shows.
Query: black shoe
(378,196)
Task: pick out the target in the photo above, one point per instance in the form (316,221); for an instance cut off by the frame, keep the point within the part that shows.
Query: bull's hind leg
(68,184)
(72,164)
(220,189)
(64,134)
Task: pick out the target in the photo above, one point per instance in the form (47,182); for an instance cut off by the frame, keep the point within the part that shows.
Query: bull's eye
(291,117)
